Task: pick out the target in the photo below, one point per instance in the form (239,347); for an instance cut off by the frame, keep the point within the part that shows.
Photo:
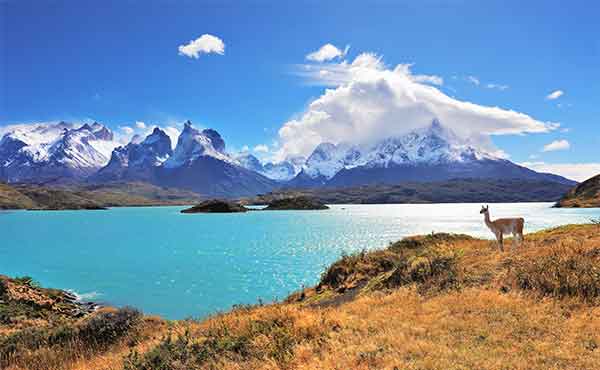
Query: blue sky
(118,62)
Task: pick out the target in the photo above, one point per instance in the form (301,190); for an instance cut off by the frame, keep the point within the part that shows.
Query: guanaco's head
(484,209)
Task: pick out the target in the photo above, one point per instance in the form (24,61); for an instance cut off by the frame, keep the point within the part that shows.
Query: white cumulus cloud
(574,171)
(369,101)
(327,52)
(140,124)
(556,145)
(204,44)
(555,95)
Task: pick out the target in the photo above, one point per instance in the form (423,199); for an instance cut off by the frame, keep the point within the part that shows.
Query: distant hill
(584,195)
(27,196)
(11,198)
(451,191)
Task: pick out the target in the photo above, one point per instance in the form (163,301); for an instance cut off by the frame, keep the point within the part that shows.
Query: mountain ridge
(68,153)
(433,153)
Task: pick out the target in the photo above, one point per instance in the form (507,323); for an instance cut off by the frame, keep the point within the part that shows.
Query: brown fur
(504,226)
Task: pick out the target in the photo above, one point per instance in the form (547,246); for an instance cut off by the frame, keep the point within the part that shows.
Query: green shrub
(98,331)
(433,268)
(278,331)
(410,260)
(107,327)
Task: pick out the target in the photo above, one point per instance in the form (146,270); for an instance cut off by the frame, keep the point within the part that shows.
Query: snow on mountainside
(193,143)
(136,160)
(281,171)
(54,151)
(432,153)
(434,144)
(198,163)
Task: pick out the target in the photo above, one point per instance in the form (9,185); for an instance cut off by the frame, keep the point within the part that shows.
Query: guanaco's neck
(486,216)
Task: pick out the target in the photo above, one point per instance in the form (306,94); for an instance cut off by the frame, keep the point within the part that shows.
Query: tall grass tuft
(30,347)
(566,269)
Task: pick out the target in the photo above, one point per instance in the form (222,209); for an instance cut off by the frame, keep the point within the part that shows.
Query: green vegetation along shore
(91,196)
(439,301)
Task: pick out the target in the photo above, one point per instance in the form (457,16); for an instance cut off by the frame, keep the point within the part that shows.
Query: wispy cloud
(497,86)
(429,79)
(474,80)
(574,171)
(126,130)
(205,44)
(327,52)
(555,95)
(556,145)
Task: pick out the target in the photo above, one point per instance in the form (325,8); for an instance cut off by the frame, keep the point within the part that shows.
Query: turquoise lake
(181,265)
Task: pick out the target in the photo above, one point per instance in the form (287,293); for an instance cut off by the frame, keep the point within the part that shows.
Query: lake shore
(438,300)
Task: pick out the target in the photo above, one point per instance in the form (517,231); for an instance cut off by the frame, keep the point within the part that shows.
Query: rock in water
(296,203)
(216,206)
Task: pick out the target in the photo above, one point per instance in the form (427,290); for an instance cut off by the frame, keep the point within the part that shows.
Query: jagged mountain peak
(157,135)
(193,144)
(250,162)
(280,171)
(85,127)
(432,144)
(54,150)
(215,138)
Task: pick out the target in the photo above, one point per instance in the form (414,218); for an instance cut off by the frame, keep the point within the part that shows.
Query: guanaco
(504,226)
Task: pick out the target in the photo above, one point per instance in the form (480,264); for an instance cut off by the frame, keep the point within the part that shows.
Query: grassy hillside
(584,195)
(439,301)
(91,196)
(452,191)
(11,198)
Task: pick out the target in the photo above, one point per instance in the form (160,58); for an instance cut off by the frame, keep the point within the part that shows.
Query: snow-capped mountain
(138,159)
(54,151)
(193,144)
(432,153)
(199,163)
(280,171)
(250,162)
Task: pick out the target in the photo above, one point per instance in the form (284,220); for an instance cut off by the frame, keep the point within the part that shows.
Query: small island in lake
(216,206)
(295,203)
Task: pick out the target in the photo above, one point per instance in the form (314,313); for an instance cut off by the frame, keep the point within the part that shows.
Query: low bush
(95,333)
(271,335)
(569,269)
(410,260)
(434,268)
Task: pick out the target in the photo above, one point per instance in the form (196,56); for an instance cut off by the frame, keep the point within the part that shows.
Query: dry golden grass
(432,302)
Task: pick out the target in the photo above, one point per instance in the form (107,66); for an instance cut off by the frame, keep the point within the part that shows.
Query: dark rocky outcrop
(216,206)
(295,203)
(584,195)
